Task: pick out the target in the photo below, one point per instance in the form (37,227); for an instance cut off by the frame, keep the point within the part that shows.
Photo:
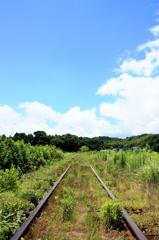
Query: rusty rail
(130,222)
(25,225)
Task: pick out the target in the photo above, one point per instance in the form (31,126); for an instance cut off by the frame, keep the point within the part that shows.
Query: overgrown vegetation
(139,141)
(27,172)
(79,209)
(25,157)
(112,214)
(141,162)
(20,192)
(68,203)
(13,212)
(73,143)
(133,178)
(15,206)
(8,179)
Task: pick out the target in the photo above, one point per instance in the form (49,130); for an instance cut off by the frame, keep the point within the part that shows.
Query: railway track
(22,232)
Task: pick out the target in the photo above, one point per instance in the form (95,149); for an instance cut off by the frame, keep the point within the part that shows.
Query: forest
(73,143)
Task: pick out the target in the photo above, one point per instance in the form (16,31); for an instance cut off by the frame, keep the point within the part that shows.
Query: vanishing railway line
(28,225)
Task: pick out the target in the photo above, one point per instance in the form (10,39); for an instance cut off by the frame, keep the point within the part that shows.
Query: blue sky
(85,67)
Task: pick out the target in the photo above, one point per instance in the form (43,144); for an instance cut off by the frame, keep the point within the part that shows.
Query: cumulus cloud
(136,92)
(147,66)
(136,107)
(37,110)
(8,119)
(155,30)
(36,116)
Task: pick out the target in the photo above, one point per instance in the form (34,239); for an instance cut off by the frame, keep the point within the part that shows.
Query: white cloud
(125,55)
(147,66)
(8,113)
(155,30)
(144,67)
(36,115)
(12,121)
(38,110)
(8,120)
(136,106)
(84,123)
(150,45)
(136,91)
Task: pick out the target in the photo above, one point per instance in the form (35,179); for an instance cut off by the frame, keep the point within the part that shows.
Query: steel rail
(25,225)
(130,222)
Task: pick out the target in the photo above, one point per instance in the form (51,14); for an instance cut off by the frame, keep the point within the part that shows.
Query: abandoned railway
(72,207)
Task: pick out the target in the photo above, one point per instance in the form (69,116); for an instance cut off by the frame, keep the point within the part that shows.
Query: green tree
(71,143)
(40,138)
(84,149)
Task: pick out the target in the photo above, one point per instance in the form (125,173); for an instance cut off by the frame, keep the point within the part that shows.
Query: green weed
(112,214)
(68,203)
(31,196)
(14,212)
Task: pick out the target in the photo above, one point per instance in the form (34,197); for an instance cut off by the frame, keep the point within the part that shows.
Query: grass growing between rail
(133,178)
(79,209)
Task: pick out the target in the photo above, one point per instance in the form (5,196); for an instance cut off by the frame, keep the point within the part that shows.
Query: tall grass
(143,163)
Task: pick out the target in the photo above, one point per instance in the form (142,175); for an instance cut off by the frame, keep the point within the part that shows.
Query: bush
(26,157)
(8,179)
(31,197)
(13,213)
(84,149)
(112,214)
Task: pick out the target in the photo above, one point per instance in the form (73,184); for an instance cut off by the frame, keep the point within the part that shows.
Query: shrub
(112,214)
(31,196)
(26,157)
(8,179)
(13,213)
(84,149)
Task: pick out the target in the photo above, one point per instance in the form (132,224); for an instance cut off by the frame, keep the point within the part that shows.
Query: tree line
(73,143)
(66,142)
